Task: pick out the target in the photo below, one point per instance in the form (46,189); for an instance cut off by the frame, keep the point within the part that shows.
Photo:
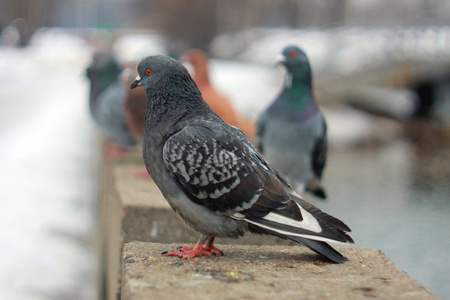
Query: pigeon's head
(103,70)
(295,61)
(155,69)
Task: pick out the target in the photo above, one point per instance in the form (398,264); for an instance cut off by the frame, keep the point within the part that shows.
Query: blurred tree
(188,24)
(193,23)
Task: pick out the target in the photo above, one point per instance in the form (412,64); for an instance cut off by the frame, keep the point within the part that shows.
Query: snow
(49,148)
(134,47)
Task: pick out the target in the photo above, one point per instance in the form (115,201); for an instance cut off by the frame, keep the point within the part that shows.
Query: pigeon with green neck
(291,132)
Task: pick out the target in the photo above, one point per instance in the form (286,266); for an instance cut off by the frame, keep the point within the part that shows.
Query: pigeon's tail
(321,248)
(316,189)
(303,223)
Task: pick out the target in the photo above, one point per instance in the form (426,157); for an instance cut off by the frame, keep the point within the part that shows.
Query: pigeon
(135,103)
(292,133)
(214,178)
(107,97)
(218,102)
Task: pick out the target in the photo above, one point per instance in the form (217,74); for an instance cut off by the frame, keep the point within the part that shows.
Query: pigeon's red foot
(142,173)
(199,249)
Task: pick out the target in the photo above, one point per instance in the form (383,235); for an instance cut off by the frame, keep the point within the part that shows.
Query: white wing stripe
(308,222)
(306,236)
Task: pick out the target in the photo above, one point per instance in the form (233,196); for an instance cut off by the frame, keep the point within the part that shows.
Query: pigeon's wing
(319,152)
(216,169)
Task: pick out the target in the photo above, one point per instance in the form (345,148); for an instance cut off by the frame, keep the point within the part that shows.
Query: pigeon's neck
(99,86)
(168,106)
(299,93)
(298,79)
(296,100)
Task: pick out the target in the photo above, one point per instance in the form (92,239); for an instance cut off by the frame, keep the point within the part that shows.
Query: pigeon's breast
(204,220)
(288,145)
(198,217)
(110,115)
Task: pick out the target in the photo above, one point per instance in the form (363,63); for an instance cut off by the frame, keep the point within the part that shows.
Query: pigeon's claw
(213,250)
(190,252)
(187,252)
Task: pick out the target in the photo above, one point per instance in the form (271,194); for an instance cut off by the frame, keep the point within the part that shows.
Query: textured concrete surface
(133,209)
(263,272)
(111,233)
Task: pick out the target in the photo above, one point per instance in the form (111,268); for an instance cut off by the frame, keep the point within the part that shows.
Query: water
(396,198)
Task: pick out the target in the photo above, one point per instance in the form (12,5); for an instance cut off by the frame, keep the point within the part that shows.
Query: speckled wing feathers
(215,168)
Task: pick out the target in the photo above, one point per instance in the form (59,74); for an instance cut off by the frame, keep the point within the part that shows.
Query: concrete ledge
(263,272)
(133,209)
(136,219)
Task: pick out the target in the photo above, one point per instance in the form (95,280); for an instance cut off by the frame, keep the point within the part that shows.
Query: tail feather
(320,232)
(303,223)
(316,189)
(321,248)
(318,247)
(319,214)
(318,192)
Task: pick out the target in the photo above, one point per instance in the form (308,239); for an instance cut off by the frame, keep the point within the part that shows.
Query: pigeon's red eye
(149,72)
(293,54)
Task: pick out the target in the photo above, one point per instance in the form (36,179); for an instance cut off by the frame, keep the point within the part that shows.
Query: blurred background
(381,74)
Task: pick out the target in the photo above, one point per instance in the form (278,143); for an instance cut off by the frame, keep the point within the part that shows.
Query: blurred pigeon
(218,103)
(135,103)
(213,177)
(135,106)
(291,132)
(107,97)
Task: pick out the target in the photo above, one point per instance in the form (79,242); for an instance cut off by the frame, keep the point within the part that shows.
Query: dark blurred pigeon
(213,177)
(135,107)
(291,132)
(107,98)
(135,103)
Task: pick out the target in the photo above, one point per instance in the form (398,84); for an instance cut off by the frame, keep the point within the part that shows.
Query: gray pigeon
(291,132)
(213,177)
(107,98)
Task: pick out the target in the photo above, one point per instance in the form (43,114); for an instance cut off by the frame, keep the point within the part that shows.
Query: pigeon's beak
(136,82)
(280,59)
